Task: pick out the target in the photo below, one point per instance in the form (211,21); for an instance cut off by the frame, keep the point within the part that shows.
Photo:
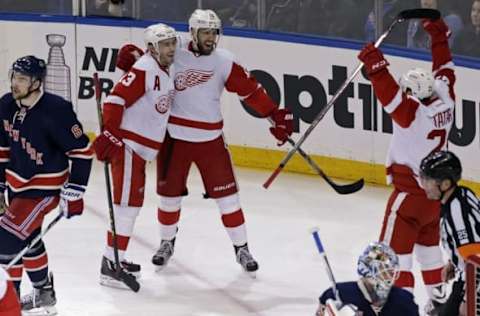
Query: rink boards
(298,71)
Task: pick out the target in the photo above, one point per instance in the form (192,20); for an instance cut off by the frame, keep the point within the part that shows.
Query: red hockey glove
(71,199)
(373,59)
(437,29)
(283,125)
(127,56)
(108,144)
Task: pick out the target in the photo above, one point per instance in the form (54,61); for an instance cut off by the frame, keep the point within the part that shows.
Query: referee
(460,221)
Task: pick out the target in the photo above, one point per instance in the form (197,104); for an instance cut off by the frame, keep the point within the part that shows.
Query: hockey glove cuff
(437,29)
(283,125)
(373,59)
(108,144)
(71,200)
(127,56)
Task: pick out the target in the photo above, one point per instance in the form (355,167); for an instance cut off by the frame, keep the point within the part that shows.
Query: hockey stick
(319,244)
(34,241)
(126,278)
(402,16)
(339,188)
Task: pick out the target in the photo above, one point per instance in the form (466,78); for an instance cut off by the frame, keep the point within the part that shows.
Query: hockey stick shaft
(34,241)
(402,16)
(321,250)
(127,279)
(341,189)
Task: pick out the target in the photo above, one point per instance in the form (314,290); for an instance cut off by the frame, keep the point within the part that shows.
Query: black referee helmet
(441,165)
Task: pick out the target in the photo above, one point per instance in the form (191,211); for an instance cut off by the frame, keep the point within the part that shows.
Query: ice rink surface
(203,278)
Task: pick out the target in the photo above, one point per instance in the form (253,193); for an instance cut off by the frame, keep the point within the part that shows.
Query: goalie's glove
(282,125)
(127,56)
(373,59)
(71,199)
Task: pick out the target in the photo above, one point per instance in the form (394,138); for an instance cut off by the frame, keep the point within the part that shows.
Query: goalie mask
(419,81)
(379,266)
(204,19)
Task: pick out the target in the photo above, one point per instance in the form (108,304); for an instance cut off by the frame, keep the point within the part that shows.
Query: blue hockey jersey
(36,145)
(399,303)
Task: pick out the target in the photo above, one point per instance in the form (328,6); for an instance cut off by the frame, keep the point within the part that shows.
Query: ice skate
(41,302)
(245,259)
(109,276)
(163,254)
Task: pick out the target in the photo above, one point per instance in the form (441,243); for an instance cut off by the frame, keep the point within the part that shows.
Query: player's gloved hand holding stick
(430,14)
(108,151)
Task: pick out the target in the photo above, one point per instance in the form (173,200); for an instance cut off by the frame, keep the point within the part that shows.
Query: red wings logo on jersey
(190,78)
(164,102)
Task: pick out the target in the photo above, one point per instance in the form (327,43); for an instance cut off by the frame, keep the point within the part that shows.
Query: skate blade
(40,311)
(113,283)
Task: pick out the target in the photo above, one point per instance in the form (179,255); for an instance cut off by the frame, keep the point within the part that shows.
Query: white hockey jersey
(199,81)
(139,105)
(418,127)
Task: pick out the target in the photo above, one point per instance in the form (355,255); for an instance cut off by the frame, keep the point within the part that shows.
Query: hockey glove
(283,125)
(108,144)
(71,199)
(373,59)
(127,56)
(437,29)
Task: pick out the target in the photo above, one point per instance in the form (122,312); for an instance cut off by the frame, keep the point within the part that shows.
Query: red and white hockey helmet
(419,81)
(203,19)
(158,32)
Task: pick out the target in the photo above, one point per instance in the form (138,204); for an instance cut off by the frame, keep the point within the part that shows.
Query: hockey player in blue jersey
(373,294)
(45,162)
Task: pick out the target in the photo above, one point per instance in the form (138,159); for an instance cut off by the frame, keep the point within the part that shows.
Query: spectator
(110,8)
(226,10)
(245,15)
(418,38)
(283,15)
(468,41)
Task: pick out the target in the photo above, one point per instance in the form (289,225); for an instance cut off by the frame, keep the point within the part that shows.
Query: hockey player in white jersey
(422,111)
(202,72)
(135,120)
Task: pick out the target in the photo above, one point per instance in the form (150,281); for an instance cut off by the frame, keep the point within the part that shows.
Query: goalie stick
(128,279)
(401,17)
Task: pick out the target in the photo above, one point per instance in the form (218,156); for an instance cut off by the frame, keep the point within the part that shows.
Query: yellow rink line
(333,167)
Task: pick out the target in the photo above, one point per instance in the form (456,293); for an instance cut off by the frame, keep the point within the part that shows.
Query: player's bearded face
(167,51)
(207,40)
(21,86)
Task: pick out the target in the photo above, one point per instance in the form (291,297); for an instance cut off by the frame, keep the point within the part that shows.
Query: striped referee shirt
(460,225)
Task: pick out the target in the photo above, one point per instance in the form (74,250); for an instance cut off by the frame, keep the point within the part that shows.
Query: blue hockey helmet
(30,66)
(379,264)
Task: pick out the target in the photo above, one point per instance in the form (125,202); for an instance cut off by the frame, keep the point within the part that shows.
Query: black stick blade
(431,14)
(346,188)
(128,279)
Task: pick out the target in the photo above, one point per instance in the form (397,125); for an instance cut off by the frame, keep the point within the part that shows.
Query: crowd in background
(350,19)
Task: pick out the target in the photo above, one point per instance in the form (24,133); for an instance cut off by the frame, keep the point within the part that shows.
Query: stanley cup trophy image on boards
(57,80)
